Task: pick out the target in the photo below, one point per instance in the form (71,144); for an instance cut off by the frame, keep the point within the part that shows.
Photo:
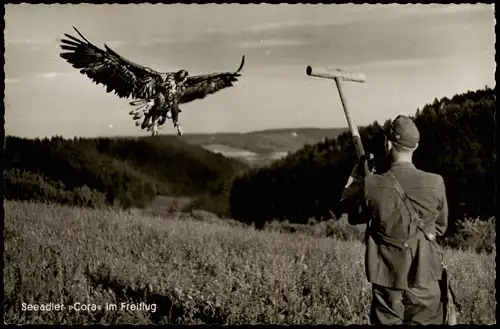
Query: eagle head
(181,76)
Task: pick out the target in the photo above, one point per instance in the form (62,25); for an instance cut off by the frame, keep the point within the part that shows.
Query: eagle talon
(155,130)
(179,130)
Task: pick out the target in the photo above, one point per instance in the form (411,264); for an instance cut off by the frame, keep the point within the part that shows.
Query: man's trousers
(416,305)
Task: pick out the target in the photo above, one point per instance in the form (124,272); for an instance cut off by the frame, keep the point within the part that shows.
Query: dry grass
(195,271)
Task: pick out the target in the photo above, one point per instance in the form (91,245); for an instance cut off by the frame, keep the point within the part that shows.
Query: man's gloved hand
(358,172)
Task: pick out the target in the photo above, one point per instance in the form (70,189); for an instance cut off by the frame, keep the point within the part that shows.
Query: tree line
(457,142)
(125,172)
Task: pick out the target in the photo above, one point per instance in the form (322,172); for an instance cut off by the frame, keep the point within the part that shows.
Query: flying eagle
(156,95)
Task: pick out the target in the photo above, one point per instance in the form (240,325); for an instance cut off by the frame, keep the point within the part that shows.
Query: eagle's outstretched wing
(118,74)
(199,86)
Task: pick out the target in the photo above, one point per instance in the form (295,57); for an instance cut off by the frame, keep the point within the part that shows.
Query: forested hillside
(125,172)
(457,142)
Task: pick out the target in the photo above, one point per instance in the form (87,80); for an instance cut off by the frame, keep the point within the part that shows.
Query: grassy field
(196,271)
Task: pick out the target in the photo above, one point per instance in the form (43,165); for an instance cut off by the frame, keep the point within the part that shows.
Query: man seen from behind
(402,261)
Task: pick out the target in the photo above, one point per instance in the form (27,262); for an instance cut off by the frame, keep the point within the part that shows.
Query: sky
(410,54)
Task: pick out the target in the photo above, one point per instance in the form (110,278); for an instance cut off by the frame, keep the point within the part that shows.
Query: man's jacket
(398,254)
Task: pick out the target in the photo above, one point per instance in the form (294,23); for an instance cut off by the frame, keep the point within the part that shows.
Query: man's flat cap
(403,131)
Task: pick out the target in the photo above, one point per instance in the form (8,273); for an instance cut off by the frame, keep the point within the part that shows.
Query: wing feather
(199,86)
(120,75)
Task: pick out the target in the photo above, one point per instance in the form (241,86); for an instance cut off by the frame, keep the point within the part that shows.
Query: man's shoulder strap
(413,214)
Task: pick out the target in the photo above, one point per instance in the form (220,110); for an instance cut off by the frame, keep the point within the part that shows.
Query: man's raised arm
(353,202)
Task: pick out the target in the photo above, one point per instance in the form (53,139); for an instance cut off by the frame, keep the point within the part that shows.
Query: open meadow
(233,212)
(196,271)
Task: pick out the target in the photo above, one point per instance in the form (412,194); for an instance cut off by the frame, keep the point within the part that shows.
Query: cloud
(36,48)
(285,25)
(411,62)
(450,8)
(269,43)
(148,41)
(29,41)
(10,80)
(346,14)
(115,43)
(158,40)
(394,64)
(273,26)
(49,75)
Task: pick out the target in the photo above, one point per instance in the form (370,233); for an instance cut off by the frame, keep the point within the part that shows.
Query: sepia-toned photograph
(228,164)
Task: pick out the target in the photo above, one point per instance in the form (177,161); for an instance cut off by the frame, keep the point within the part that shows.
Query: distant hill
(120,171)
(137,171)
(259,148)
